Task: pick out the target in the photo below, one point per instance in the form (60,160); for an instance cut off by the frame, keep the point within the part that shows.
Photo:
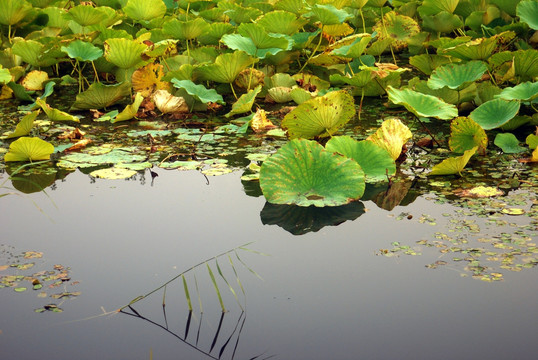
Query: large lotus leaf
(280,80)
(239,14)
(29,149)
(55,114)
(145,9)
(281,22)
(508,143)
(398,28)
(246,44)
(293,6)
(391,136)
(245,102)
(456,76)
(526,64)
(225,68)
(453,165)
(85,15)
(494,113)
(148,79)
(300,95)
(432,7)
(528,13)
(82,51)
(29,50)
(130,110)
(478,49)
(13,11)
(124,53)
(375,161)
(328,14)
(214,33)
(526,91)
(302,172)
(24,127)
(185,30)
(321,116)
(200,92)
(442,22)
(355,49)
(466,134)
(99,96)
(422,105)
(359,79)
(450,96)
(508,6)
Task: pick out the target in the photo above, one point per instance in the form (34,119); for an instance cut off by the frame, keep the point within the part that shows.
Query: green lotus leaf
(245,102)
(302,172)
(185,30)
(280,79)
(456,76)
(526,64)
(311,81)
(508,143)
(20,92)
(13,11)
(532,141)
(130,110)
(281,22)
(320,117)
(453,165)
(124,53)
(99,96)
(5,75)
(359,79)
(422,105)
(328,14)
(450,96)
(398,28)
(239,14)
(55,114)
(145,9)
(253,40)
(466,134)
(375,161)
(37,54)
(442,22)
(296,7)
(280,94)
(391,136)
(214,33)
(300,95)
(528,13)
(200,92)
(508,6)
(516,122)
(29,149)
(494,113)
(356,48)
(85,15)
(478,49)
(526,91)
(432,7)
(26,124)
(225,68)
(82,51)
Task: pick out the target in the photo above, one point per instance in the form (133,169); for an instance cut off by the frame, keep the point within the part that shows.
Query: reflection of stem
(315,49)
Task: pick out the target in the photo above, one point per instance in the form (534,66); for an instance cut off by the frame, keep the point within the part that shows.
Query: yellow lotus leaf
(392,135)
(34,80)
(534,157)
(147,80)
(260,122)
(6,92)
(168,103)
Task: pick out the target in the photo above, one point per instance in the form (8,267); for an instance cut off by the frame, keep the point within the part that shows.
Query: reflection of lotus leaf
(422,105)
(322,116)
(33,181)
(456,76)
(29,149)
(302,172)
(453,165)
(375,161)
(494,113)
(465,134)
(299,220)
(111,156)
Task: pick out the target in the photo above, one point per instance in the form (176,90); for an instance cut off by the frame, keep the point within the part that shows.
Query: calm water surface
(324,295)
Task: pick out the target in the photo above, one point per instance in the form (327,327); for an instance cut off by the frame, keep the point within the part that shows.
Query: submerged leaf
(302,172)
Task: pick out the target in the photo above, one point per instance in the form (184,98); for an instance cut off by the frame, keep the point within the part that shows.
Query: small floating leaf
(453,165)
(113,173)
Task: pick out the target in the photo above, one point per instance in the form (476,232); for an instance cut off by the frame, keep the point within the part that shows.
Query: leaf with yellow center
(260,122)
(148,79)
(392,135)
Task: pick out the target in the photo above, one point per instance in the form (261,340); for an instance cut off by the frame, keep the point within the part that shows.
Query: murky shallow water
(324,295)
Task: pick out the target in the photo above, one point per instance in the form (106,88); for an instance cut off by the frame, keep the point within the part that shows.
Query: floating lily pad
(302,172)
(29,149)
(391,136)
(422,105)
(508,143)
(321,116)
(453,165)
(480,192)
(494,113)
(375,161)
(465,134)
(113,173)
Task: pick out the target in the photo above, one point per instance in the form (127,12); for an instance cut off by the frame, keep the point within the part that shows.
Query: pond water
(326,294)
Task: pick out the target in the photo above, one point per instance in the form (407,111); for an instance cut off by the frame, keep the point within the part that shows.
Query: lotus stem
(250,77)
(233,91)
(95,71)
(360,105)
(315,49)
(362,18)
